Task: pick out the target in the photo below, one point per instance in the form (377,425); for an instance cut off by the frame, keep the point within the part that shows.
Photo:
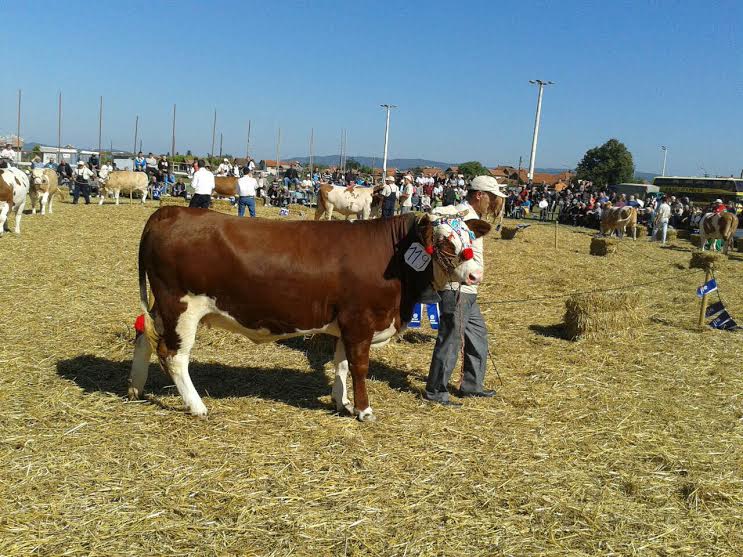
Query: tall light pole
(388,108)
(665,154)
(533,159)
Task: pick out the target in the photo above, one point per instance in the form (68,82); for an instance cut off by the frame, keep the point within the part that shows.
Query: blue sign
(720,320)
(706,288)
(714,309)
(433,315)
(415,321)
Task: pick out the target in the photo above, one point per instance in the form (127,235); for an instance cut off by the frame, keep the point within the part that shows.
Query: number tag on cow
(416,257)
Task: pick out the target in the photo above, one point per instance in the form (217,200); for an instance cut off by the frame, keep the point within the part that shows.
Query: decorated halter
(444,257)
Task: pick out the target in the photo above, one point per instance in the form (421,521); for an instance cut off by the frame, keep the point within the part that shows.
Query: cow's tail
(153,337)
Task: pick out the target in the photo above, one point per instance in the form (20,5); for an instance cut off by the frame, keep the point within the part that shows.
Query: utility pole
(172,143)
(220,145)
(100,127)
(247,150)
(518,176)
(59,129)
(665,154)
(533,159)
(214,131)
(312,142)
(136,133)
(278,153)
(340,153)
(388,108)
(18,128)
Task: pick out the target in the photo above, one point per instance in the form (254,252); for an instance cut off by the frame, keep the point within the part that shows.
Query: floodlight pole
(388,108)
(18,128)
(533,159)
(665,154)
(100,128)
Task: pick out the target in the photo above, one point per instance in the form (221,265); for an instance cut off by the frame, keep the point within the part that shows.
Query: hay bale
(603,246)
(671,234)
(739,244)
(703,260)
(683,234)
(603,315)
(641,231)
(508,232)
(696,240)
(164,201)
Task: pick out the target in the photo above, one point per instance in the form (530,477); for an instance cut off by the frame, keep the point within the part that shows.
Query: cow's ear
(425,230)
(478,227)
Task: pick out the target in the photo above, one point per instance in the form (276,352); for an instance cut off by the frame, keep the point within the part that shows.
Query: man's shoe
(480,394)
(449,403)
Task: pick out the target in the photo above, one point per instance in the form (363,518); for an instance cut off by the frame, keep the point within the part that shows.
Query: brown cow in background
(718,226)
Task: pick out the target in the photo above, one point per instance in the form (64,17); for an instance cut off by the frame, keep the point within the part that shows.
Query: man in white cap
(82,183)
(224,168)
(390,193)
(406,195)
(460,315)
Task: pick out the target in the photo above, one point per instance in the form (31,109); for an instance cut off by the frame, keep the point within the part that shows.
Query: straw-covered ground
(629,444)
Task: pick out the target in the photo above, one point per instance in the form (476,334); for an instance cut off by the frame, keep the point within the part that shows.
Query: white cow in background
(44,186)
(13,191)
(125,181)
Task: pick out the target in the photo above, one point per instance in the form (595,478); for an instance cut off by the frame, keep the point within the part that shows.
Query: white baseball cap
(390,179)
(488,184)
(718,200)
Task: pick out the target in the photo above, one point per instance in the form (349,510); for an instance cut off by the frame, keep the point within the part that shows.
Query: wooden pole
(556,223)
(59,129)
(214,134)
(220,145)
(312,141)
(172,143)
(100,126)
(703,307)
(278,154)
(247,149)
(18,128)
(136,133)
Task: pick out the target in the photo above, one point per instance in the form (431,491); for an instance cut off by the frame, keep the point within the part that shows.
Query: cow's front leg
(18,214)
(4,210)
(340,392)
(358,360)
(44,202)
(34,200)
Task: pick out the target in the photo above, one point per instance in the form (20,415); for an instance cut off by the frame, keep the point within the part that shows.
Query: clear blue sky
(647,73)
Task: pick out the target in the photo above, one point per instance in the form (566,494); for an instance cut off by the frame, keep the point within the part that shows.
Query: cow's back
(225,185)
(52,180)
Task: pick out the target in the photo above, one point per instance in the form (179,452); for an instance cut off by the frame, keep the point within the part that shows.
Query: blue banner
(720,320)
(415,321)
(729,325)
(433,315)
(714,309)
(706,288)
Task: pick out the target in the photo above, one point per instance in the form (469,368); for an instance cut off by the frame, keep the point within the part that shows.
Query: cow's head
(449,242)
(38,177)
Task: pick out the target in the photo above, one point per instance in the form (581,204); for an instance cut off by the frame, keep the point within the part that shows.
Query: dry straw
(603,246)
(602,315)
(624,445)
(704,260)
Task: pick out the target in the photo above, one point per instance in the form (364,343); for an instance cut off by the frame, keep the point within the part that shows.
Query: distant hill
(400,164)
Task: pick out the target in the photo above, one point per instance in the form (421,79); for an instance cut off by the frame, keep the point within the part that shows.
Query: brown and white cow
(125,181)
(271,280)
(619,219)
(348,201)
(718,226)
(44,186)
(13,191)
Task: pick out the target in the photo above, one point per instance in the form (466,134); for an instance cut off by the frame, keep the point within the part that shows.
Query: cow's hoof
(134,393)
(366,415)
(199,411)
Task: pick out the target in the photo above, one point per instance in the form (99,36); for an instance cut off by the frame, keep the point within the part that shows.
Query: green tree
(473,168)
(36,151)
(353,164)
(610,163)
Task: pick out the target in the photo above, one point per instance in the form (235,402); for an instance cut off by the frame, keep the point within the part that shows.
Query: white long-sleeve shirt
(203,182)
(246,186)
(663,214)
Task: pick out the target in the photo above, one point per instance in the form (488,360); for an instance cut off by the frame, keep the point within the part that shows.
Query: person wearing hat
(459,313)
(390,193)
(406,195)
(82,176)
(224,168)
(660,220)
(7,156)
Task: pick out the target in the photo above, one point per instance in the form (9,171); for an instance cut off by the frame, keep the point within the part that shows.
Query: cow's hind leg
(340,392)
(140,367)
(18,214)
(44,202)
(4,211)
(358,359)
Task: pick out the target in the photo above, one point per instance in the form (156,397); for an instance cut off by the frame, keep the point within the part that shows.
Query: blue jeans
(246,201)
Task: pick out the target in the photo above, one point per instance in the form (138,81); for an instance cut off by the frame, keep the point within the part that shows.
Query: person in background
(82,183)
(151,162)
(236,170)
(36,163)
(7,156)
(202,184)
(140,165)
(543,206)
(246,191)
(94,162)
(224,168)
(390,193)
(406,195)
(291,176)
(662,216)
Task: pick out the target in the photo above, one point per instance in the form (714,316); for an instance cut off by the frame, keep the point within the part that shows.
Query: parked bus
(701,188)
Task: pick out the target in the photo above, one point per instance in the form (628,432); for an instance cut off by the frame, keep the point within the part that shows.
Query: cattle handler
(460,318)
(82,183)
